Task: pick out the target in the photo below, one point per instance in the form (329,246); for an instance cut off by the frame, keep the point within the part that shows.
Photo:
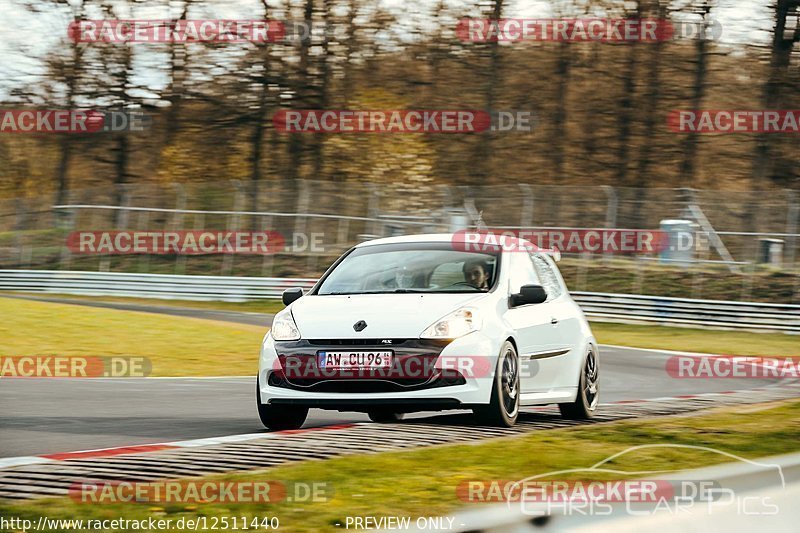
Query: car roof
(434,237)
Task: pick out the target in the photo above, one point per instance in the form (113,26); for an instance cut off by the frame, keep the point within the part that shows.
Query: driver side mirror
(290,295)
(528,294)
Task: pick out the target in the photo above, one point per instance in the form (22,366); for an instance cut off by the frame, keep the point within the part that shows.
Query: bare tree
(688,168)
(766,164)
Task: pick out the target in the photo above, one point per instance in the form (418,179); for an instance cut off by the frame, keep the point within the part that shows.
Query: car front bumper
(356,394)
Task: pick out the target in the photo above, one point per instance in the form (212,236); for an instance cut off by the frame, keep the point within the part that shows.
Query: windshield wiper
(408,290)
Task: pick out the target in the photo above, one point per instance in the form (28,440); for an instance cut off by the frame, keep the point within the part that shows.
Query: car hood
(388,316)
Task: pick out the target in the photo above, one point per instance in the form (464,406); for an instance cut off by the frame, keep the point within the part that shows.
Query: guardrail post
(796,295)
(373,209)
(792,217)
(344,231)
(20,218)
(122,221)
(198,223)
(269,259)
(303,201)
(178,223)
(747,282)
(611,212)
(442,219)
(697,282)
(611,207)
(639,279)
(233,224)
(67,222)
(143,219)
(583,267)
(125,201)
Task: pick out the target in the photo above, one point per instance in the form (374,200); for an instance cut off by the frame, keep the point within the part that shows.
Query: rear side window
(549,278)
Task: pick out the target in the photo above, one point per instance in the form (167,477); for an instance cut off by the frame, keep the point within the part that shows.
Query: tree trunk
(688,165)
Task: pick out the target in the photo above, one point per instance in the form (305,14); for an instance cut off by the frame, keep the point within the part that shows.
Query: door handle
(553,320)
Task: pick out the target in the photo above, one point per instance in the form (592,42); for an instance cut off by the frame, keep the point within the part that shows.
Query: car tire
(280,417)
(584,407)
(384,417)
(503,408)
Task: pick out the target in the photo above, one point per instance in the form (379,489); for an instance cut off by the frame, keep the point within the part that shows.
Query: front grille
(357,342)
(447,378)
(413,367)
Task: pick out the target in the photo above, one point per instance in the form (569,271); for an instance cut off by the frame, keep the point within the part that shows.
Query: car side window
(522,272)
(549,278)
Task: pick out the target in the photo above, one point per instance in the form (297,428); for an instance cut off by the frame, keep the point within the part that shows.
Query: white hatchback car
(427,323)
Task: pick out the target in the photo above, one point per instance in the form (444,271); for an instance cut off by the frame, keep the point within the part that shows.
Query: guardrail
(597,306)
(166,286)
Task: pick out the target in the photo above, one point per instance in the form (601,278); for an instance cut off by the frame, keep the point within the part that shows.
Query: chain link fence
(336,215)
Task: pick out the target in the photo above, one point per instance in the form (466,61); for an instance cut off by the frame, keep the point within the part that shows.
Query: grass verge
(697,340)
(250,306)
(423,482)
(176,346)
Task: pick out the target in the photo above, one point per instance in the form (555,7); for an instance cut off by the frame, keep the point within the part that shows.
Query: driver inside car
(476,273)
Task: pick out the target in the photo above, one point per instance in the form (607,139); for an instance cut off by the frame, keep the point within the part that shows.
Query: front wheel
(278,417)
(585,405)
(503,408)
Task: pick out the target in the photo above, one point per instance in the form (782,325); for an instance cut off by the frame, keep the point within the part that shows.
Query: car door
(533,331)
(566,322)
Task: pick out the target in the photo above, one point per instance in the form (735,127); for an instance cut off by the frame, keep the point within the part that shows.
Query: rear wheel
(278,417)
(588,397)
(384,417)
(503,408)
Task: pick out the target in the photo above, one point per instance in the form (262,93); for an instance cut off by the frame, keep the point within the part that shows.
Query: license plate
(355,360)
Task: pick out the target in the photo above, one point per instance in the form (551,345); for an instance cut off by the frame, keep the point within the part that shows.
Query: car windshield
(411,267)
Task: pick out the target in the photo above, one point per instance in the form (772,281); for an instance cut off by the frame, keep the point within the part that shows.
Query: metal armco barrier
(166,286)
(597,306)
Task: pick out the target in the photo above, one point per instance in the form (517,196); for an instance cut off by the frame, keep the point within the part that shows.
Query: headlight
(456,324)
(284,328)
